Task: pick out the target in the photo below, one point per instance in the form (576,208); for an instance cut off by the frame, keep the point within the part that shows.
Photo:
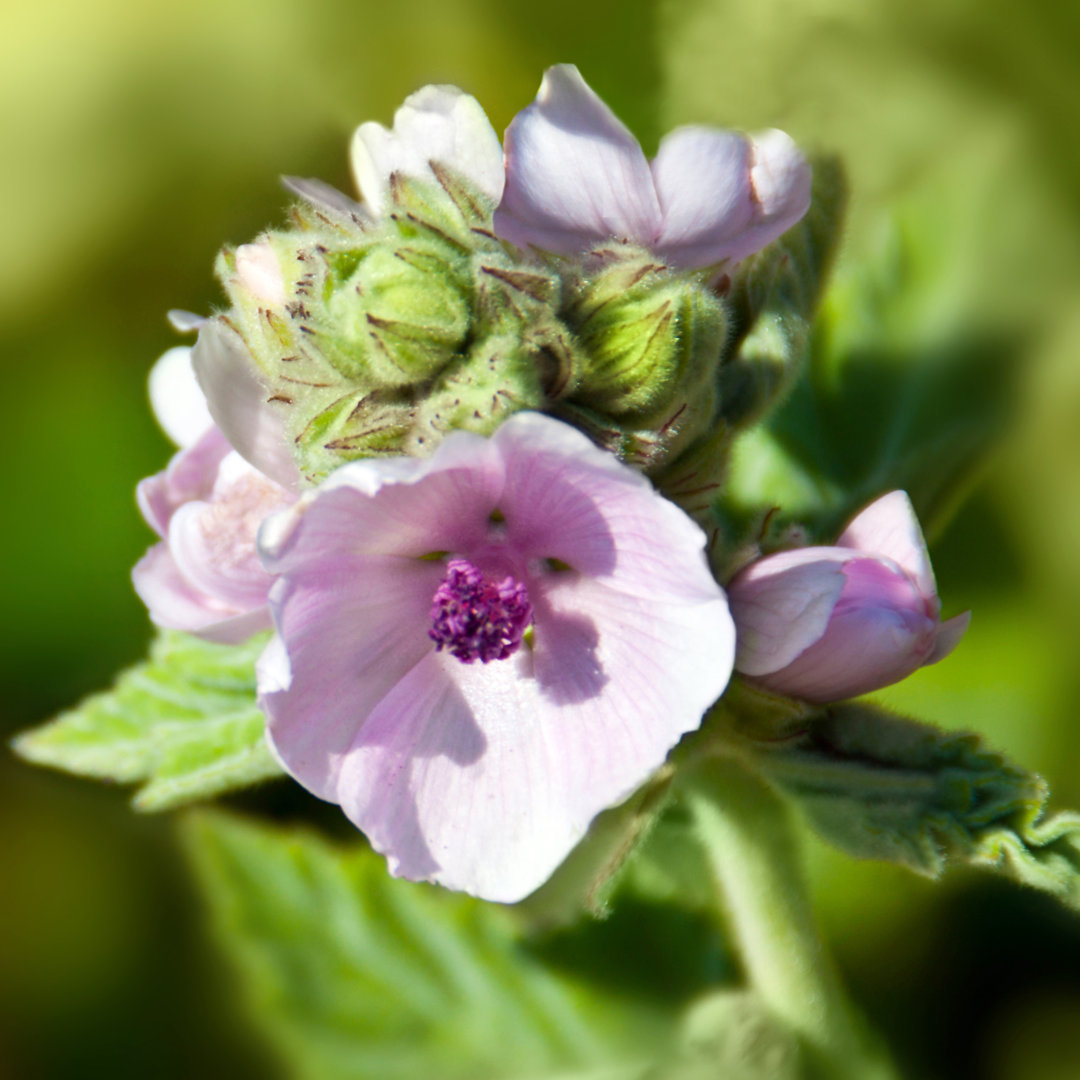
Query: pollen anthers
(476,618)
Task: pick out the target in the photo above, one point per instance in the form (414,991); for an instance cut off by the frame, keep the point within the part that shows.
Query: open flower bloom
(479,651)
(826,623)
(576,177)
(205,577)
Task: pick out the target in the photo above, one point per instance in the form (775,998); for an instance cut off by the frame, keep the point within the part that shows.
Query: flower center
(477,619)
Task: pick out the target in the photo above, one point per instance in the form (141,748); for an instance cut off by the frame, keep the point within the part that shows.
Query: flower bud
(259,271)
(404,308)
(368,337)
(827,623)
(651,337)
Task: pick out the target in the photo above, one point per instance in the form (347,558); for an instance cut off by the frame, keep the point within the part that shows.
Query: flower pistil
(475,618)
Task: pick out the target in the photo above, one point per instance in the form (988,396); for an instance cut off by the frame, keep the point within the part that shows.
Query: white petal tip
(185,322)
(177,400)
(948,637)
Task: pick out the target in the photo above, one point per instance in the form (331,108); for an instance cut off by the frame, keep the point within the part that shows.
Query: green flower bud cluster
(388,334)
(376,337)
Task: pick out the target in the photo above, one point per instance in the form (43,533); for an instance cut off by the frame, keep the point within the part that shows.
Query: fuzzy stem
(747,837)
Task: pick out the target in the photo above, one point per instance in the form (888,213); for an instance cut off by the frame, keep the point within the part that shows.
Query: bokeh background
(136,138)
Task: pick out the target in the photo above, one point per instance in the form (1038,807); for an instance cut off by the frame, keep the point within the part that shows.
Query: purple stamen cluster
(476,619)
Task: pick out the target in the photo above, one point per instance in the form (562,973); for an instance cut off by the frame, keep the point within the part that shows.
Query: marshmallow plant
(464,535)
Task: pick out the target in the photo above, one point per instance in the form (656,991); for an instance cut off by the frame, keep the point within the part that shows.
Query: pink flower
(576,178)
(479,651)
(827,623)
(205,577)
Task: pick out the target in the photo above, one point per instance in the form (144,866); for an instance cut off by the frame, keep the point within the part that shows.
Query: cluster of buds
(424,455)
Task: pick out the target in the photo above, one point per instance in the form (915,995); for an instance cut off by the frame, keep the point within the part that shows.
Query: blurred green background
(138,138)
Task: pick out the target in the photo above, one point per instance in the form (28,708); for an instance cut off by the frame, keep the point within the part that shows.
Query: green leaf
(356,975)
(880,786)
(183,723)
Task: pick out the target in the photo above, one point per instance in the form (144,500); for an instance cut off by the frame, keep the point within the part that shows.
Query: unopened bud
(822,624)
(652,338)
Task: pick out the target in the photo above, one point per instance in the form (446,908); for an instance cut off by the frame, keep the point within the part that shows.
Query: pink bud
(827,623)
(260,273)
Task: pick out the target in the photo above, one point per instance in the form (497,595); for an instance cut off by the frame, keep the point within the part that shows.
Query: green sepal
(899,390)
(183,724)
(880,786)
(770,305)
(652,339)
(773,299)
(356,975)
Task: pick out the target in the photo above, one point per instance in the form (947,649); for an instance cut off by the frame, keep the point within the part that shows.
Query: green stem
(747,836)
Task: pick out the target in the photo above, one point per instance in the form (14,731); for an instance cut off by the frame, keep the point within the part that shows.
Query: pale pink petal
(483,777)
(575,175)
(327,200)
(438,123)
(567,499)
(402,506)
(236,628)
(889,527)
(782,605)
(176,398)
(175,604)
(213,541)
(185,322)
(238,402)
(863,649)
(190,475)
(355,625)
(781,178)
(948,637)
(702,179)
(259,272)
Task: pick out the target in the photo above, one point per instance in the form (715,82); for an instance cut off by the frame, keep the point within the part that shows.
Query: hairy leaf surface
(183,724)
(357,975)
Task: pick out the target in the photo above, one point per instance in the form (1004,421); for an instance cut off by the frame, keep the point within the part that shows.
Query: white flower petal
(176,398)
(609,522)
(189,475)
(575,175)
(175,604)
(259,272)
(184,322)
(213,540)
(238,402)
(702,179)
(353,628)
(438,123)
(326,199)
(402,506)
